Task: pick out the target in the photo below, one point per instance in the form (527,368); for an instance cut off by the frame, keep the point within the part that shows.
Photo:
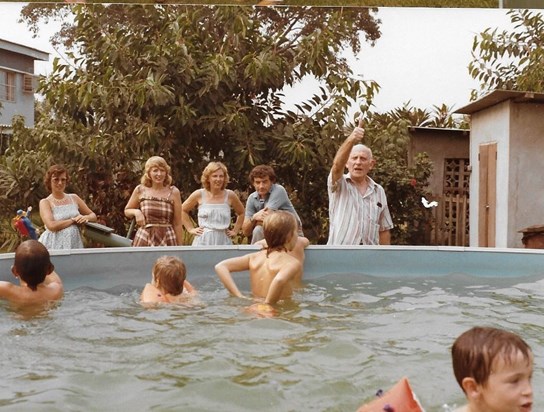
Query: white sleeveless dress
(215,219)
(67,238)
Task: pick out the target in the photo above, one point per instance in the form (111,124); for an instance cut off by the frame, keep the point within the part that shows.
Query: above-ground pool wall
(111,267)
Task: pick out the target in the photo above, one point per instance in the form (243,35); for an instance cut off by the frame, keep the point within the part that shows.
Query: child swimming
(273,270)
(168,282)
(39,283)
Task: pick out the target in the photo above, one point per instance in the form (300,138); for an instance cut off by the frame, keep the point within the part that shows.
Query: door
(487,207)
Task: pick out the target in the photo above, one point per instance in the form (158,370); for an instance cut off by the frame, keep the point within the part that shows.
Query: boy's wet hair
(474,352)
(32,263)
(278,228)
(170,272)
(261,172)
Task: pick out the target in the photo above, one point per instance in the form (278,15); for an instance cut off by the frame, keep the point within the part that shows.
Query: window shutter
(28,83)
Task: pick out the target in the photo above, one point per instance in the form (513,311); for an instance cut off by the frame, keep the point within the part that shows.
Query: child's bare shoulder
(286,258)
(8,289)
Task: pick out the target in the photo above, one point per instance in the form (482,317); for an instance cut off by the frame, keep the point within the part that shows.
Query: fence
(450,221)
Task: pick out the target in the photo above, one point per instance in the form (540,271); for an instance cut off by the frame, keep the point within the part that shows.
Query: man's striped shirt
(356,219)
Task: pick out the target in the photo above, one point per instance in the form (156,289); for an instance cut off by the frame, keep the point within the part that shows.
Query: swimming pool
(344,336)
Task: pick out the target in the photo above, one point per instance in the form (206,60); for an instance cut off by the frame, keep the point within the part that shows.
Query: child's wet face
(509,388)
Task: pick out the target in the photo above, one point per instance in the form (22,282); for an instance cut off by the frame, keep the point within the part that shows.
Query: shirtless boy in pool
(168,282)
(273,270)
(297,252)
(39,283)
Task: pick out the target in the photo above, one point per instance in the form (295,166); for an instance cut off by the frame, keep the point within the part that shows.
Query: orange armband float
(399,398)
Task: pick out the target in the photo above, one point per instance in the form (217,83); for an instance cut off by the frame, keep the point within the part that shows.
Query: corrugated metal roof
(499,96)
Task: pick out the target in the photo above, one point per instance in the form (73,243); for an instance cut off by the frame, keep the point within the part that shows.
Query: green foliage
(510,60)
(20,169)
(195,84)
(361,3)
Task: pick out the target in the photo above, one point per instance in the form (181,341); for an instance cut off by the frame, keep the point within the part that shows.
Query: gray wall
(518,130)
(24,101)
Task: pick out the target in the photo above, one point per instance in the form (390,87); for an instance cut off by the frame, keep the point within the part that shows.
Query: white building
(506,156)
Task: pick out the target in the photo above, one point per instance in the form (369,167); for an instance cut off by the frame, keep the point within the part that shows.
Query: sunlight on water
(342,339)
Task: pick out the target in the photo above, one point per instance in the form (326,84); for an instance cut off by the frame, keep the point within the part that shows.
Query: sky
(421,57)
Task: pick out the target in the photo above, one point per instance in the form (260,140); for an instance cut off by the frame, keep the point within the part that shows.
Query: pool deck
(109,267)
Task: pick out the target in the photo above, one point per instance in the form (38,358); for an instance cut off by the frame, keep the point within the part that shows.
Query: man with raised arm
(358,211)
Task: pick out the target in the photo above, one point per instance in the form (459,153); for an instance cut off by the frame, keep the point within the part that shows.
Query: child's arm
(286,274)
(187,287)
(224,269)
(303,242)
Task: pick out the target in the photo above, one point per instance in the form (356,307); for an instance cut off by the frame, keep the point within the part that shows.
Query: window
(28,83)
(7,86)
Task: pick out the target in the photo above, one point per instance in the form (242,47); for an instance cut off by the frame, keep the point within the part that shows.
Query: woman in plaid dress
(156,206)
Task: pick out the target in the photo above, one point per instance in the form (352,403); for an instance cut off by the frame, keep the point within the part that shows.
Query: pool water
(340,340)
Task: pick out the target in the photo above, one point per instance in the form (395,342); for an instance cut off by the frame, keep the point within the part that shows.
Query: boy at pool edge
(273,271)
(494,368)
(39,283)
(297,251)
(168,282)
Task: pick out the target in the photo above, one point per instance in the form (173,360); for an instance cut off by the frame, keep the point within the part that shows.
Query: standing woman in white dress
(62,213)
(214,204)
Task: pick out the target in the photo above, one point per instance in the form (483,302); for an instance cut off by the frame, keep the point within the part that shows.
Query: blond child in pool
(168,283)
(273,271)
(494,368)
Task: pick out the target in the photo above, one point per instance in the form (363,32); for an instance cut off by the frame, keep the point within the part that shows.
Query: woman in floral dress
(62,213)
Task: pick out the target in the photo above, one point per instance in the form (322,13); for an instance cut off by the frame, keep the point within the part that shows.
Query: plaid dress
(159,216)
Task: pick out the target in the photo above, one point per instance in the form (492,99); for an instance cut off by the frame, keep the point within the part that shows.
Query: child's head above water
(494,369)
(169,273)
(32,263)
(279,228)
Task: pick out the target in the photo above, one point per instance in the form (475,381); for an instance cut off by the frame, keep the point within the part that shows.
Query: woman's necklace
(59,201)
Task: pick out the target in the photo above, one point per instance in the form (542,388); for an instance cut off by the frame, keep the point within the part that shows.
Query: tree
(194,84)
(510,60)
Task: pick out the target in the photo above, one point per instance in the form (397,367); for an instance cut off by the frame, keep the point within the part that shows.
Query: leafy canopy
(195,83)
(510,60)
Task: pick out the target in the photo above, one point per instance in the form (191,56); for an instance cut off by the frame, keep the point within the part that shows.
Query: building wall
(491,125)
(526,199)
(24,101)
(16,61)
(439,145)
